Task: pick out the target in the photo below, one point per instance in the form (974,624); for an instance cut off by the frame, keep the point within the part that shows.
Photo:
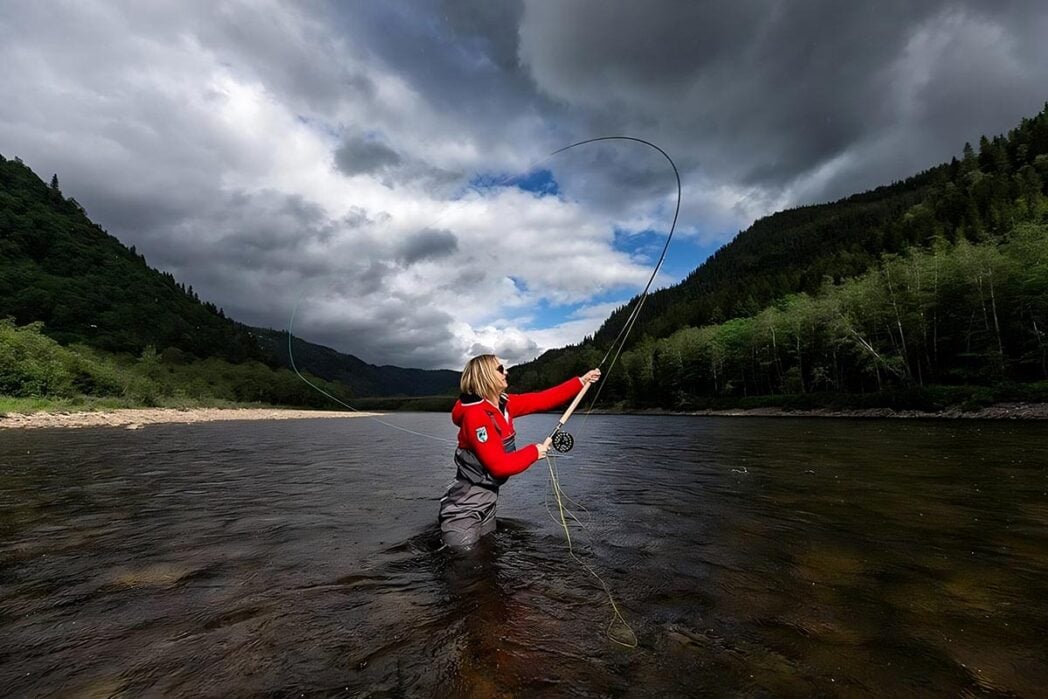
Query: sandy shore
(135,418)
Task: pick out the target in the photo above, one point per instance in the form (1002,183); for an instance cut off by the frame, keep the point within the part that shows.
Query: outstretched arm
(527,403)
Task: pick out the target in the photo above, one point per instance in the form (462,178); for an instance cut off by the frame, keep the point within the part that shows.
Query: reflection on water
(750,556)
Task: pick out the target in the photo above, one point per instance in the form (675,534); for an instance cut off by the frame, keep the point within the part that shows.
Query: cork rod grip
(567,413)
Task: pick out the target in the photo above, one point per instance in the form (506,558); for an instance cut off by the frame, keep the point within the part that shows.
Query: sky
(376,175)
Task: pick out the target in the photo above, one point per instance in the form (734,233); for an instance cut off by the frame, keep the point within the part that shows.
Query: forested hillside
(81,314)
(59,268)
(939,279)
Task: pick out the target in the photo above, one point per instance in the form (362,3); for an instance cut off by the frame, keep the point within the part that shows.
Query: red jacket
(483,427)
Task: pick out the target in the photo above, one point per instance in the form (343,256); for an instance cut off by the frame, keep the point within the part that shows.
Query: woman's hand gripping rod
(562,441)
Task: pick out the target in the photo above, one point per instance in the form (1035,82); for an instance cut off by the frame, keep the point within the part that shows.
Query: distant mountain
(362,378)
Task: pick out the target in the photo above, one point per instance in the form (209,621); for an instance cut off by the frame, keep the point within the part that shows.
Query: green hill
(59,268)
(979,201)
(87,315)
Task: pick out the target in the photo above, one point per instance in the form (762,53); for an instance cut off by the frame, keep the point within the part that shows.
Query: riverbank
(998,411)
(136,418)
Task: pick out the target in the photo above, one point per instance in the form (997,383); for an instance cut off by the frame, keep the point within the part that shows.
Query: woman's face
(503,376)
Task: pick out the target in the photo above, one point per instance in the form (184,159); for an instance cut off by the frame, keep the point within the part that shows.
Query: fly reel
(562,441)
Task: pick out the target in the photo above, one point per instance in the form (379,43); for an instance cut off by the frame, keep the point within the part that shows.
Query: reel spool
(562,441)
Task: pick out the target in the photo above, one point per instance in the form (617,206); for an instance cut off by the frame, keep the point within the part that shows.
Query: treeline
(33,365)
(960,315)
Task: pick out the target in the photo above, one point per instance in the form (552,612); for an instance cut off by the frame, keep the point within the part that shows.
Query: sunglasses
(501,369)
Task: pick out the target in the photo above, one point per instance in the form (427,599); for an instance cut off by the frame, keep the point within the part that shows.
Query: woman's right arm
(492,454)
(527,403)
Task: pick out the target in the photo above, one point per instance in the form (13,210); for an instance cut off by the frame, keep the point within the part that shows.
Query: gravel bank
(135,418)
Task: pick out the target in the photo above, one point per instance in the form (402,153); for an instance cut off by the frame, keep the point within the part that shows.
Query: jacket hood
(465,399)
(469,400)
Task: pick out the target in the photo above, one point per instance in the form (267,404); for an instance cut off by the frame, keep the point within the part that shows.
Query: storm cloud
(357,166)
(428,245)
(357,156)
(822,97)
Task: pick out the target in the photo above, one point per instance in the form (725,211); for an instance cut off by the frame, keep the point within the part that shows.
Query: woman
(487,455)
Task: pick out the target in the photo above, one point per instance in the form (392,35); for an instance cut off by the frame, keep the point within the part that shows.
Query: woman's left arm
(527,403)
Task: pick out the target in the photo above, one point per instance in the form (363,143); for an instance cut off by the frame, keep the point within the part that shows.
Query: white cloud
(202,149)
(208,136)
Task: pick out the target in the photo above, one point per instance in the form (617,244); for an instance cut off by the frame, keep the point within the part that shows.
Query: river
(749,556)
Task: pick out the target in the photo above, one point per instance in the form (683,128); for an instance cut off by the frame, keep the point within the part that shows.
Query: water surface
(778,556)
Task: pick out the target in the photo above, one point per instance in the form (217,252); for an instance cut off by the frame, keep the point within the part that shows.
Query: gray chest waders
(467,510)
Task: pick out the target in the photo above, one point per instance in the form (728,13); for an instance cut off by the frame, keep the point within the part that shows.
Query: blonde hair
(481,378)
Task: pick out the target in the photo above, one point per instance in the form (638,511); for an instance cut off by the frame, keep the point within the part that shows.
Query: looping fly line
(560,440)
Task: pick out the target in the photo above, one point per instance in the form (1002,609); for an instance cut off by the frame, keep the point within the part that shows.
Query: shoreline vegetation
(999,411)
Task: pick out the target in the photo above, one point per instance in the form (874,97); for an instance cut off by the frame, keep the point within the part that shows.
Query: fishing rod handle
(567,413)
(574,404)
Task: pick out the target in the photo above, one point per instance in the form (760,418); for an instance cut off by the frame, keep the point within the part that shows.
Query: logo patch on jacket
(482,434)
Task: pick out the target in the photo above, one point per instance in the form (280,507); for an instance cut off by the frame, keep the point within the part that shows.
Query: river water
(749,556)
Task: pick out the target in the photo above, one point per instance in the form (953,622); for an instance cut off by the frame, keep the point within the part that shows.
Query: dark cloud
(361,156)
(396,333)
(462,57)
(282,54)
(615,176)
(428,245)
(467,278)
(493,26)
(259,230)
(765,93)
(358,217)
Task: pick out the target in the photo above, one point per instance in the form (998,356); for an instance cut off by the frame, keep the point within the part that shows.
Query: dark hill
(58,267)
(976,198)
(362,378)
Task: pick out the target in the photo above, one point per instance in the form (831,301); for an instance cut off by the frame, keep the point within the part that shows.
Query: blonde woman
(487,455)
